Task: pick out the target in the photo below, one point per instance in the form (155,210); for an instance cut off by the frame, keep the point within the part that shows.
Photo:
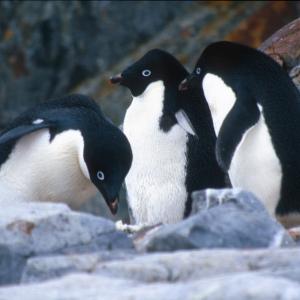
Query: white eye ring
(198,71)
(146,73)
(100,175)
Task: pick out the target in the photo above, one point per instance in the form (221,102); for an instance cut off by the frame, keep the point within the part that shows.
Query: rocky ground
(230,248)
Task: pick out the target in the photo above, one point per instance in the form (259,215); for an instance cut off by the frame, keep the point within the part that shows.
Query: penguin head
(159,66)
(223,72)
(107,158)
(155,65)
(222,59)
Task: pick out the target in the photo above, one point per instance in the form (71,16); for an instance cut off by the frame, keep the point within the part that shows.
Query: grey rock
(31,229)
(43,268)
(226,218)
(47,48)
(202,264)
(82,286)
(172,267)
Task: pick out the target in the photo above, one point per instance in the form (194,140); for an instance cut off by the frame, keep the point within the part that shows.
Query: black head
(108,157)
(153,66)
(234,63)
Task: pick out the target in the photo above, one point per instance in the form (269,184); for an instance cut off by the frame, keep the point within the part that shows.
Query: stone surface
(30,229)
(172,267)
(43,268)
(228,218)
(284,47)
(81,286)
(47,48)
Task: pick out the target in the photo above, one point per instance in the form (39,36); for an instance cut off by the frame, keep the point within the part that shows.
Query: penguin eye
(198,71)
(146,73)
(100,175)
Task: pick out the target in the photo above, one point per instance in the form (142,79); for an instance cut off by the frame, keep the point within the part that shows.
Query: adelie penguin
(256,113)
(172,139)
(63,150)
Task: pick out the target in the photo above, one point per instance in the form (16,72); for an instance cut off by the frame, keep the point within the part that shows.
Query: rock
(172,267)
(43,268)
(228,218)
(284,47)
(31,229)
(46,49)
(81,286)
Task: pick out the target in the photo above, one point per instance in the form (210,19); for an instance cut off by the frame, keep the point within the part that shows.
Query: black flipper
(13,134)
(242,116)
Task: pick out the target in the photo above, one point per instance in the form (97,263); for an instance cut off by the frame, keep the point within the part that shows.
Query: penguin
(256,114)
(63,150)
(172,139)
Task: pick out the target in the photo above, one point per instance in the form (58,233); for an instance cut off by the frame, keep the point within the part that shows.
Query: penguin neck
(220,98)
(150,104)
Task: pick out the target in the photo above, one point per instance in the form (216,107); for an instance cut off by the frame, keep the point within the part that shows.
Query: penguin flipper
(184,122)
(236,123)
(19,131)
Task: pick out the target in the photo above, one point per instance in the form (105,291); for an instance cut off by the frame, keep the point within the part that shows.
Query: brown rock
(284,47)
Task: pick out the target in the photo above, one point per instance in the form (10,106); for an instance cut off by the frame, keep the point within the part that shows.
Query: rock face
(284,47)
(246,286)
(31,229)
(169,267)
(47,48)
(227,218)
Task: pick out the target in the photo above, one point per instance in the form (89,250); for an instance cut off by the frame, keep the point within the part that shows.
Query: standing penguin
(63,150)
(172,139)
(256,113)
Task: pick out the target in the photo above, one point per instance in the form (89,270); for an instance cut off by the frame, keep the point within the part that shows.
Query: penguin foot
(129,228)
(295,233)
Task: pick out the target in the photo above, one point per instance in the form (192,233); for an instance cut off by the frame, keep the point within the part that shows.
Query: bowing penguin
(256,114)
(172,139)
(63,150)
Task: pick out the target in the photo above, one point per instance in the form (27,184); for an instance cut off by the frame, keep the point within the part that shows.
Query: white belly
(38,170)
(255,166)
(156,181)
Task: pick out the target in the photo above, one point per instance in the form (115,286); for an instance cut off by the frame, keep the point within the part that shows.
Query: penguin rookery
(256,114)
(63,150)
(172,139)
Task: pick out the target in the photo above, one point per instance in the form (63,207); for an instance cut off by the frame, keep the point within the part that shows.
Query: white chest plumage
(38,170)
(254,165)
(156,181)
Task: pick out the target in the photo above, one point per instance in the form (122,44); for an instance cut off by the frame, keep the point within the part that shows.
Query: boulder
(44,268)
(31,229)
(225,218)
(168,267)
(82,286)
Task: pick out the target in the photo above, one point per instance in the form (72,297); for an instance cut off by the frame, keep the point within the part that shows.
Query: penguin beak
(187,83)
(113,206)
(183,86)
(116,79)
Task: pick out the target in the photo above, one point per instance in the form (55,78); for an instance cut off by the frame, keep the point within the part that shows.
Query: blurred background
(51,48)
